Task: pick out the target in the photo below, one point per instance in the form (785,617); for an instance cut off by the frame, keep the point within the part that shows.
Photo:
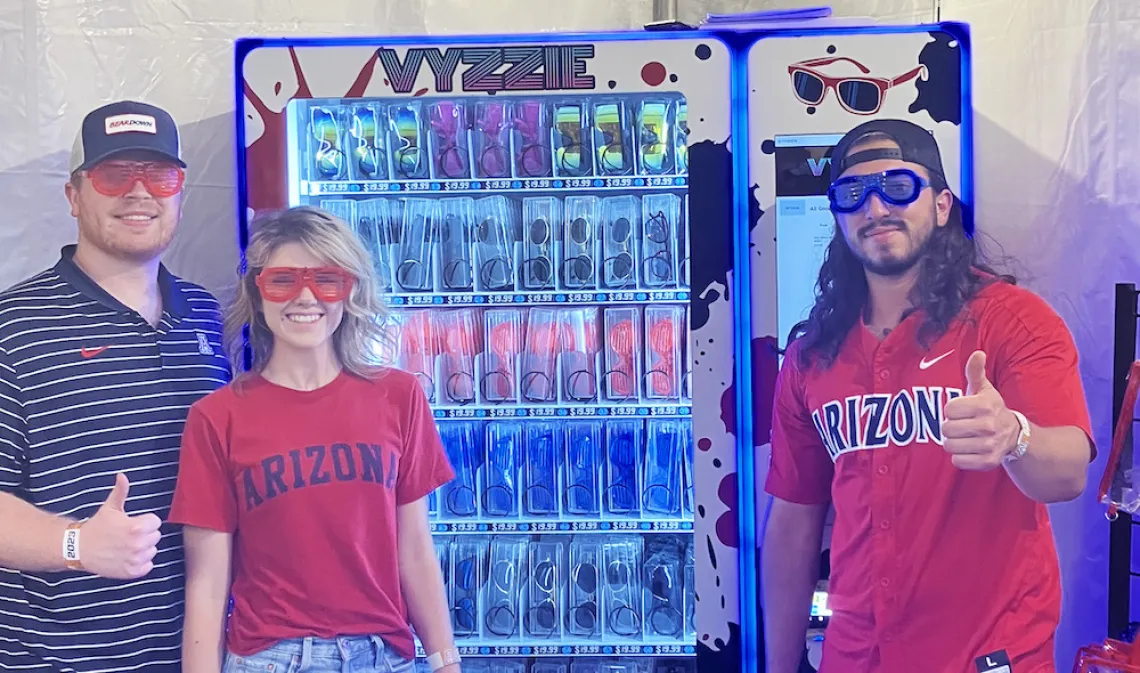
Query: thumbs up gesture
(115,545)
(978,430)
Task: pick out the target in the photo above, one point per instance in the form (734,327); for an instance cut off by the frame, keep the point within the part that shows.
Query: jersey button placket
(884,505)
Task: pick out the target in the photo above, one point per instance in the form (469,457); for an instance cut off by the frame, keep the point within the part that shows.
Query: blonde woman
(305,479)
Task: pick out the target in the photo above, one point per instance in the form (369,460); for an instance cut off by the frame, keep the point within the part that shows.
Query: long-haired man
(938,407)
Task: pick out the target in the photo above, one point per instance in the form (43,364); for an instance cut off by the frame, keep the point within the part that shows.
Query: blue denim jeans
(349,654)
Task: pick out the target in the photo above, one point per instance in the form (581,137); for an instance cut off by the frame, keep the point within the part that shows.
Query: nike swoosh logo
(92,352)
(927,364)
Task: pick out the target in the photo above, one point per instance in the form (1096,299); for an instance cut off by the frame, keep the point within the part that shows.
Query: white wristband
(445,658)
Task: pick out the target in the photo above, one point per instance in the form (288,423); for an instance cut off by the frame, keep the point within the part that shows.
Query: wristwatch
(71,546)
(445,658)
(1022,439)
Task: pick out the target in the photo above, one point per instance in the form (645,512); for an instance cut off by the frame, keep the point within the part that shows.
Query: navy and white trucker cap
(123,127)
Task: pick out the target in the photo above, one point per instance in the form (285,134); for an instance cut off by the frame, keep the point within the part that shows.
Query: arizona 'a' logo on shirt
(874,421)
(317,465)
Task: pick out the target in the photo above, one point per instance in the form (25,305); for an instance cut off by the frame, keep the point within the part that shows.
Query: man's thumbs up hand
(976,380)
(978,430)
(115,545)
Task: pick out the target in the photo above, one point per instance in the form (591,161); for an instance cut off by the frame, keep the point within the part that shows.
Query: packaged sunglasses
(621,587)
(367,142)
(491,140)
(579,259)
(621,226)
(612,143)
(327,139)
(664,341)
(531,134)
(408,141)
(660,216)
(449,137)
(415,266)
(496,249)
(656,152)
(373,224)
(572,140)
(457,244)
(540,218)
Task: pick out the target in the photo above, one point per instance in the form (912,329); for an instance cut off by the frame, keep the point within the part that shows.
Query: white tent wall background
(1057,131)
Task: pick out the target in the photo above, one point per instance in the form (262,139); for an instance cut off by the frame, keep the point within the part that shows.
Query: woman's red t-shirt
(308,483)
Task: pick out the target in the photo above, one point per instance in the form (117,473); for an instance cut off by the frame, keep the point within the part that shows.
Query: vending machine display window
(535,253)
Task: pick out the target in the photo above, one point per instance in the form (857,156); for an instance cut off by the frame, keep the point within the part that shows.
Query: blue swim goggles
(898,187)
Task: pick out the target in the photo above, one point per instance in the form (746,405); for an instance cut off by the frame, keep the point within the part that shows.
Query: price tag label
(581,297)
(540,298)
(456,186)
(420,299)
(417,186)
(543,412)
(536,184)
(659,182)
(587,650)
(621,182)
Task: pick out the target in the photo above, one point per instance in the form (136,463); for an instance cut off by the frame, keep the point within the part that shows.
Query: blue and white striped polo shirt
(89,389)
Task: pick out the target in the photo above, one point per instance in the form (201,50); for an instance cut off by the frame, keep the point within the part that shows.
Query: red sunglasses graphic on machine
(116,178)
(858,94)
(284,283)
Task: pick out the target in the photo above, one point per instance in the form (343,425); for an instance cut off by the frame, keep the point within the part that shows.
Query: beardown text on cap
(123,127)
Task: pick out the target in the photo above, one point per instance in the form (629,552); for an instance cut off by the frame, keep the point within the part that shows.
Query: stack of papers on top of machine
(780,18)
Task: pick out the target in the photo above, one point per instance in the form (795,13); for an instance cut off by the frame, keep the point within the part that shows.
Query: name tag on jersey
(994,662)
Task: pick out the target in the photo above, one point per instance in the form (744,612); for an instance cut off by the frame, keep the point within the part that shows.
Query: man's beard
(894,267)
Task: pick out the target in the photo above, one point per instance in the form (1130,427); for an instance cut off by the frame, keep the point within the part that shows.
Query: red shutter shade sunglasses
(285,283)
(116,178)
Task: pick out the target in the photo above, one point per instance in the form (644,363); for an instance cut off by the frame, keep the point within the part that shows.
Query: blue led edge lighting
(247,44)
(961,32)
(750,628)
(742,310)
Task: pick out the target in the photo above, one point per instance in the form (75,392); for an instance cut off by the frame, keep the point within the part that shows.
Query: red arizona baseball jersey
(931,566)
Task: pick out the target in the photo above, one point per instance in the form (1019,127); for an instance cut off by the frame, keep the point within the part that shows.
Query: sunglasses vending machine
(588,242)
(532,220)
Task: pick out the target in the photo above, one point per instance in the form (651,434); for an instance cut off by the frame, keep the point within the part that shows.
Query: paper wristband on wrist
(71,546)
(445,658)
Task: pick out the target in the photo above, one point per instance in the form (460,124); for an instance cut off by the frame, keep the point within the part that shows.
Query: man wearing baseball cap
(101,356)
(938,407)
